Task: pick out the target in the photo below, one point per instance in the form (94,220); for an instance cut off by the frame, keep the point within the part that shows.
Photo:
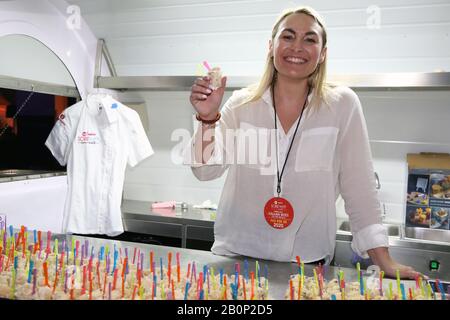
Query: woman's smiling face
(297,47)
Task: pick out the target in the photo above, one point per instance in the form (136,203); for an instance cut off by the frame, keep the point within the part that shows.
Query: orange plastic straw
(23,247)
(61,260)
(134,292)
(83,286)
(139,277)
(188,270)
(243,287)
(124,267)
(153,290)
(20,236)
(123,287)
(291,290)
(56,282)
(98,276)
(173,291)
(178,266)
(104,284)
(225,284)
(46,274)
(90,287)
(39,239)
(151,262)
(199,284)
(115,279)
(169,271)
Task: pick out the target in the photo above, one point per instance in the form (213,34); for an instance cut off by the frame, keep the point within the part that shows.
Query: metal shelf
(368,82)
(419,143)
(38,86)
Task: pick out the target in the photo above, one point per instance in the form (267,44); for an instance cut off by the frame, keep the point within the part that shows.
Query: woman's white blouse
(330,156)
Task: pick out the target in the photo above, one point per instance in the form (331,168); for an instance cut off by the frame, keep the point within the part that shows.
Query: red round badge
(278,213)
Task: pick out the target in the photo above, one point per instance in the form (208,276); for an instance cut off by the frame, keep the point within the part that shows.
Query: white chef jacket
(330,156)
(96,138)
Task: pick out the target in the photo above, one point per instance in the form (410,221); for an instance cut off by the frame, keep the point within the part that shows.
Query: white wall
(171,37)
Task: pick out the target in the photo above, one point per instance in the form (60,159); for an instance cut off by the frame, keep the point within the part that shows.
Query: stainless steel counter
(138,216)
(278,272)
(22,174)
(190,223)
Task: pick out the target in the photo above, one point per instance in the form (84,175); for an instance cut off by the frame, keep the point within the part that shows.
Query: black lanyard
(280,176)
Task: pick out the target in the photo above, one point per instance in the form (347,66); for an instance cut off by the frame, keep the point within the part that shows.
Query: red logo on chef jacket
(61,118)
(278,213)
(87,137)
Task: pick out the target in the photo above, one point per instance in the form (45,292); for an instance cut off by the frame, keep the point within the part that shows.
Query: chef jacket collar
(109,105)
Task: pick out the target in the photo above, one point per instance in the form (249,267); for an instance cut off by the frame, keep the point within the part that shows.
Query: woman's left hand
(380,256)
(406,272)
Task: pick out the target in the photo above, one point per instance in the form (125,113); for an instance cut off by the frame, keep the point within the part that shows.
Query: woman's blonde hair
(316,81)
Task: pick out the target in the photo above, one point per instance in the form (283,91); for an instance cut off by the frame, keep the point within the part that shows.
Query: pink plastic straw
(205,63)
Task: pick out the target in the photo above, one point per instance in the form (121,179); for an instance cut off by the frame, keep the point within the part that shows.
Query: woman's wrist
(208,120)
(380,256)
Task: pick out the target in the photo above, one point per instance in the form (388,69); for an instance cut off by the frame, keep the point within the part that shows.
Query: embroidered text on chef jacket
(96,138)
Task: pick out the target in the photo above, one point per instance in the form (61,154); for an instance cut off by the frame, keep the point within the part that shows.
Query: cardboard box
(428,191)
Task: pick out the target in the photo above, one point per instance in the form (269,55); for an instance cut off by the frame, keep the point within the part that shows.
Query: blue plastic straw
(402,288)
(361,283)
(246,269)
(186,290)
(30,271)
(205,271)
(441,288)
(116,254)
(233,290)
(333,297)
(161,267)
(11,231)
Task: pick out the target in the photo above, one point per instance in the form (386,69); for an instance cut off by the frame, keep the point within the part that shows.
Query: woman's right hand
(205,100)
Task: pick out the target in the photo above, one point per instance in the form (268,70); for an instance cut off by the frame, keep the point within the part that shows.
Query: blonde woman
(285,207)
